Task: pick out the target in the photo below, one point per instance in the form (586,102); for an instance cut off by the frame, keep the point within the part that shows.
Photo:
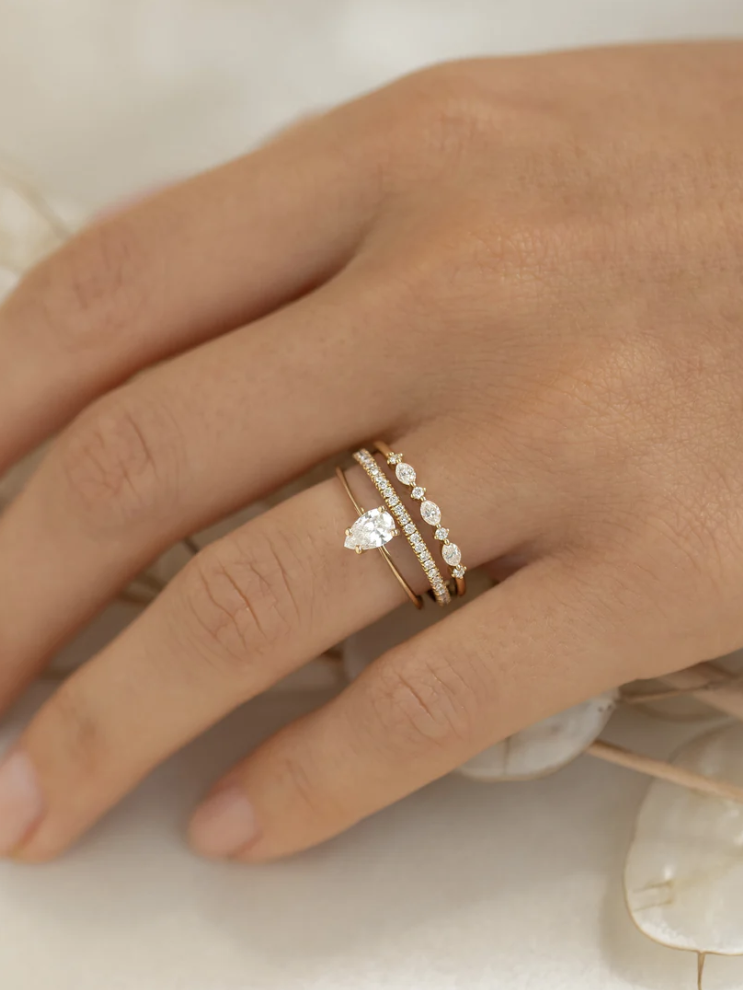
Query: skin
(525,274)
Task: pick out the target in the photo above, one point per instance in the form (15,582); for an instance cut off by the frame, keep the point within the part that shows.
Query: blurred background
(100,98)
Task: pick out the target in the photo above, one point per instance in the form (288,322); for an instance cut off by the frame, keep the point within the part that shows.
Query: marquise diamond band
(429,511)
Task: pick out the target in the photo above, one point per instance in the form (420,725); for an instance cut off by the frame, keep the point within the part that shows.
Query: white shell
(545,747)
(684,873)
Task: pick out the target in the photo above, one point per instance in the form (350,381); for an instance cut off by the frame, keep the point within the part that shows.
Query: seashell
(684,871)
(545,747)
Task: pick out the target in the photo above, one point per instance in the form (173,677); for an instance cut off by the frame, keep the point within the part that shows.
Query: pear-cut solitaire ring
(373,530)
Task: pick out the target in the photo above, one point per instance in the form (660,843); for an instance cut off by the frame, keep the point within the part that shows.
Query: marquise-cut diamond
(371,531)
(431,513)
(405,473)
(451,554)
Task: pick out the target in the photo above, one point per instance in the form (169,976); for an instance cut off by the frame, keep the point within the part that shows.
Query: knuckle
(91,291)
(423,702)
(119,461)
(446,112)
(294,775)
(242,602)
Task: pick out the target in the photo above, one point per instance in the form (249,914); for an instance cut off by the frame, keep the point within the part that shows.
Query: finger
(194,260)
(176,449)
(538,644)
(251,608)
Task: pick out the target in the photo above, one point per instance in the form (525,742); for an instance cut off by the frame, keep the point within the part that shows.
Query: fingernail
(224,824)
(21,801)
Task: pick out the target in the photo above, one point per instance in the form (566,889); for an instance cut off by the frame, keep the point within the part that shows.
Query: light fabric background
(462,885)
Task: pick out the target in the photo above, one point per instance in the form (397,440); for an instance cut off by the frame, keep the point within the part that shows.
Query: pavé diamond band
(404,520)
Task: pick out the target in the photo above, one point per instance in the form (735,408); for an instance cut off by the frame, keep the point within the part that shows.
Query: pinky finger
(529,648)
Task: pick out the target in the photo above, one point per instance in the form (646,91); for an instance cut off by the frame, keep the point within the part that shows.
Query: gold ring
(379,479)
(371,531)
(430,512)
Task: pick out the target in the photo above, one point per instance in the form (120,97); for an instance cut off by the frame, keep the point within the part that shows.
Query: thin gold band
(415,599)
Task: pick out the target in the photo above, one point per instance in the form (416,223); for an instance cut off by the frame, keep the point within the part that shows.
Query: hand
(527,275)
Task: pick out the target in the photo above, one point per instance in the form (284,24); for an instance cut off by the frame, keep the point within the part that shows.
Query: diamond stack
(405,524)
(430,512)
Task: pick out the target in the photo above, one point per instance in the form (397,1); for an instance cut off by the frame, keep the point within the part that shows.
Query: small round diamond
(405,473)
(418,493)
(441,533)
(431,512)
(451,554)
(460,571)
(410,528)
(394,459)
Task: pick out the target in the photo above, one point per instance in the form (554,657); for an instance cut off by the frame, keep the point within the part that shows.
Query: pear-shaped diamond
(371,531)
